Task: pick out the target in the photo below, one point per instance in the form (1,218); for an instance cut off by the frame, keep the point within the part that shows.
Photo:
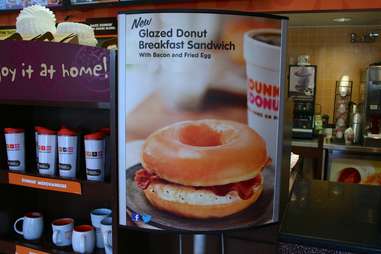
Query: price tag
(25,250)
(45,183)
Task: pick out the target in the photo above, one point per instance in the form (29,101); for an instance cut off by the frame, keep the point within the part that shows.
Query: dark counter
(334,215)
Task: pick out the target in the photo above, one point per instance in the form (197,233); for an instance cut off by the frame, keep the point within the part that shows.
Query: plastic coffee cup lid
(105,131)
(66,132)
(260,53)
(36,128)
(95,136)
(13,130)
(45,131)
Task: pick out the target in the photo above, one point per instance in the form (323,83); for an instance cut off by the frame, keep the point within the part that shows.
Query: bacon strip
(144,178)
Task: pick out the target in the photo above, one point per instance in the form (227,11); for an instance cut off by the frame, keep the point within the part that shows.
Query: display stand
(80,102)
(180,242)
(222,242)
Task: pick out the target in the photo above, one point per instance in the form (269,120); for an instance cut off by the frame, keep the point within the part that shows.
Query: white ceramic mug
(83,239)
(106,228)
(62,231)
(47,150)
(67,153)
(97,215)
(15,140)
(32,227)
(95,159)
(263,64)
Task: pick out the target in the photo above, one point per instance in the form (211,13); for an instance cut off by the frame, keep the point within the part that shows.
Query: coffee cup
(262,53)
(94,153)
(83,239)
(47,149)
(62,231)
(106,229)
(97,215)
(32,226)
(67,152)
(15,141)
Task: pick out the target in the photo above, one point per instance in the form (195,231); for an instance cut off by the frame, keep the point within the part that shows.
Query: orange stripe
(25,250)
(45,183)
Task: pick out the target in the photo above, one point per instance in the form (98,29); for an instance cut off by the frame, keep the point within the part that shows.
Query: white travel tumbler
(47,147)
(67,152)
(15,141)
(94,153)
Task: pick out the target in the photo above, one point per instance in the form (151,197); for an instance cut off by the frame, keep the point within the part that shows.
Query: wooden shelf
(8,246)
(88,188)
(69,104)
(4,176)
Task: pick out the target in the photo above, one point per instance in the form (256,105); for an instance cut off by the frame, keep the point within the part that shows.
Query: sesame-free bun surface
(189,202)
(205,153)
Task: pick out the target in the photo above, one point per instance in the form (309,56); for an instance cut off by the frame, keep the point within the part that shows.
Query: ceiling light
(341,20)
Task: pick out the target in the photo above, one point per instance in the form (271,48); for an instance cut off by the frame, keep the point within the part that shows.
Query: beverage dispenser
(372,106)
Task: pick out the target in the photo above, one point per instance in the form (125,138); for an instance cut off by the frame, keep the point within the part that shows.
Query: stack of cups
(15,141)
(97,216)
(94,153)
(67,152)
(106,229)
(47,149)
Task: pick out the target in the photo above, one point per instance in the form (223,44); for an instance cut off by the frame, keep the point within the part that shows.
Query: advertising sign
(19,4)
(59,72)
(199,109)
(79,2)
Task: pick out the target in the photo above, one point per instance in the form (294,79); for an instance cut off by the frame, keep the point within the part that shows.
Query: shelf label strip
(25,250)
(45,183)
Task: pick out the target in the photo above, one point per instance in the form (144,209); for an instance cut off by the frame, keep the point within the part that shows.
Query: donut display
(203,169)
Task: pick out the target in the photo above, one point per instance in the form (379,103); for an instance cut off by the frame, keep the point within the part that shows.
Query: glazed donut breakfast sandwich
(203,169)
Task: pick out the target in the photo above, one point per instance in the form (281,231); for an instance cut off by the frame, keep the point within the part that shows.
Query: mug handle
(15,226)
(82,244)
(56,238)
(107,238)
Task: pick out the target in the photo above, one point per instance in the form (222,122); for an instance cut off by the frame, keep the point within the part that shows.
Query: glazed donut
(205,153)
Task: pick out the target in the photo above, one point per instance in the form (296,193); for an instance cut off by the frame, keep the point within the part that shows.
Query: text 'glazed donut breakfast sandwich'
(203,169)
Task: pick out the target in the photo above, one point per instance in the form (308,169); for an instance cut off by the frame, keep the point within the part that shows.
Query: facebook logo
(135,217)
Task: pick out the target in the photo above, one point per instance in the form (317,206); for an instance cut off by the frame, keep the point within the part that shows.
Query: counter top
(352,148)
(334,215)
(313,143)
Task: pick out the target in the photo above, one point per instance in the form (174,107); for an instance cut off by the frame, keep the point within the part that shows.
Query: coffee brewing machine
(303,117)
(302,80)
(372,106)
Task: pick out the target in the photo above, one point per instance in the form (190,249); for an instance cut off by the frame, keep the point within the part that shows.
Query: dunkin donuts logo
(44,149)
(13,147)
(263,99)
(94,155)
(65,149)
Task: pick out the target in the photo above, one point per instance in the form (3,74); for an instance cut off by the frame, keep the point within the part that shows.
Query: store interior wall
(330,48)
